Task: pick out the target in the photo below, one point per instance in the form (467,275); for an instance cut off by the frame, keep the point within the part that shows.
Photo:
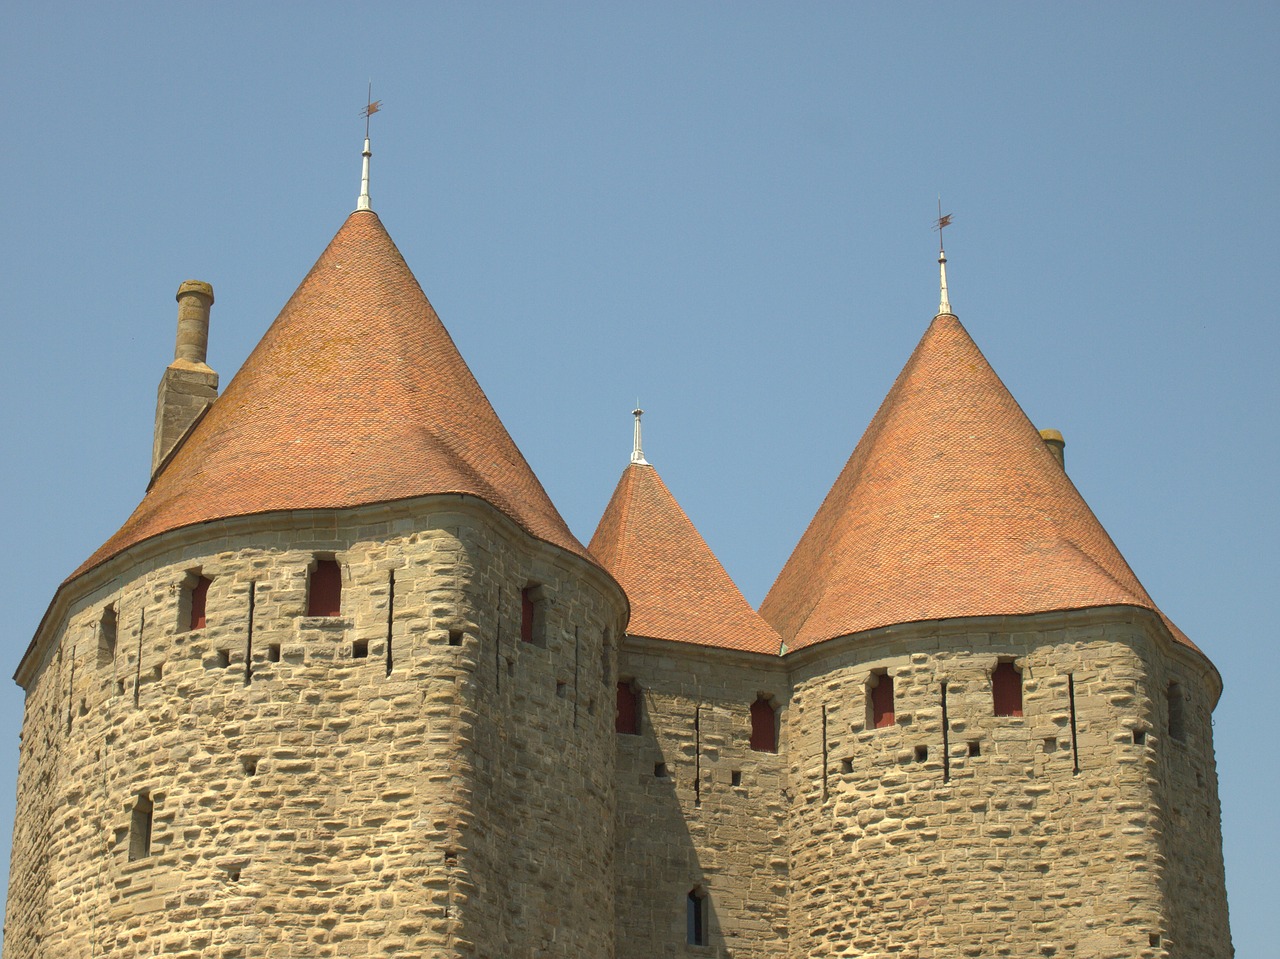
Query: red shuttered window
(627,718)
(526,615)
(1006,689)
(880,696)
(764,726)
(199,599)
(324,598)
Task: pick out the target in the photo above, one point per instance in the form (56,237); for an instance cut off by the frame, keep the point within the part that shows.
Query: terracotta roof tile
(355,395)
(950,506)
(677,588)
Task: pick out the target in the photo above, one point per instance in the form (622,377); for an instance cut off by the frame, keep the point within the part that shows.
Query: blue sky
(722,209)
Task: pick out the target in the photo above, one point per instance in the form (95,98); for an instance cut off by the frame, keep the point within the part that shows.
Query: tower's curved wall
(1044,834)
(313,792)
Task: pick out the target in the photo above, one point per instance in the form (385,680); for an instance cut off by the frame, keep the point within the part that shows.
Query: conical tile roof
(677,588)
(950,506)
(355,395)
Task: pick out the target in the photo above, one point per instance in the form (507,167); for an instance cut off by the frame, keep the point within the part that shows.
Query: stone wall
(313,789)
(698,809)
(1012,836)
(411,778)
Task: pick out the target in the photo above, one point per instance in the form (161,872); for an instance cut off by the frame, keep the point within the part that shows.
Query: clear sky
(722,209)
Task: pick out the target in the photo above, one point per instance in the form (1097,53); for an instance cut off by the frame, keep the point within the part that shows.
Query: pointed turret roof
(950,506)
(677,588)
(355,395)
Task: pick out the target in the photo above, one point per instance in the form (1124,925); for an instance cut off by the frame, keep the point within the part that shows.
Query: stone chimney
(1057,445)
(188,387)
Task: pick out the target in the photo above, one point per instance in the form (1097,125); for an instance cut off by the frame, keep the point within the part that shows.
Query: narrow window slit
(1177,719)
(577,673)
(137,672)
(248,633)
(825,756)
(562,689)
(391,612)
(140,828)
(1075,735)
(696,926)
(946,735)
(697,754)
(273,653)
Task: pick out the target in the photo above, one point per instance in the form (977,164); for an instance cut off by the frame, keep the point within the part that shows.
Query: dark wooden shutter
(1006,690)
(325,595)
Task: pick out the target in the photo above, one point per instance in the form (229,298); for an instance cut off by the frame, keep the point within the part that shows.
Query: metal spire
(637,454)
(373,107)
(944,303)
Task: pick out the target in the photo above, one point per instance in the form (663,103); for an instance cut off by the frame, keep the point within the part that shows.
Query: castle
(345,684)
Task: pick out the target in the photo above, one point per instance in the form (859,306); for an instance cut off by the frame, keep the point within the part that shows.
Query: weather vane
(944,301)
(372,107)
(941,223)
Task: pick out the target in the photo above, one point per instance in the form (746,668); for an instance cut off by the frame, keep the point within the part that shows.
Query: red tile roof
(355,395)
(950,506)
(677,588)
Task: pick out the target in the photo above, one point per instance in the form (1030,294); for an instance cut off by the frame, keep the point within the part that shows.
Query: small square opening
(1139,737)
(1051,744)
(250,765)
(735,778)
(562,689)
(273,653)
(846,765)
(922,753)
(455,637)
(975,747)
(660,770)
(360,649)
(224,657)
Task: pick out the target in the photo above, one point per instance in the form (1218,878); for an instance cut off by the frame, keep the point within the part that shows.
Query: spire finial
(637,454)
(944,303)
(372,107)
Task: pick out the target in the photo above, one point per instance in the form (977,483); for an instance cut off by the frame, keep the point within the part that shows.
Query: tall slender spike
(944,301)
(637,452)
(372,106)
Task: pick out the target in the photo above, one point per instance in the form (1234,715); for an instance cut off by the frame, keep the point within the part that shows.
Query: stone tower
(344,635)
(345,684)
